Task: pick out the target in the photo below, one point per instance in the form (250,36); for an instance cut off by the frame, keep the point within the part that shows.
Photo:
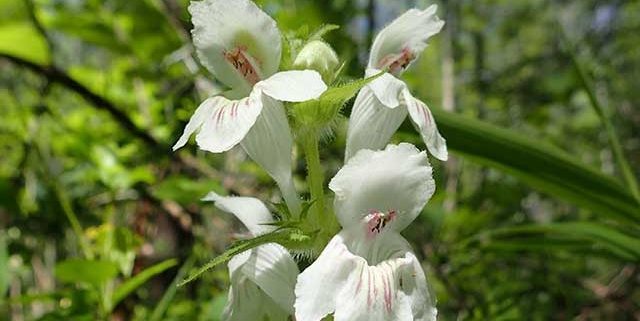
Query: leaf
(4,266)
(538,164)
(615,242)
(282,236)
(18,36)
(184,190)
(139,279)
(323,110)
(167,297)
(22,40)
(92,272)
(323,30)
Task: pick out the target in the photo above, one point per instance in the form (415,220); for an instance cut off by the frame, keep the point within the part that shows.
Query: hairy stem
(315,176)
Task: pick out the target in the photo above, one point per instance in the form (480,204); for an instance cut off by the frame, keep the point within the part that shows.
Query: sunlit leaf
(323,110)
(93,272)
(21,39)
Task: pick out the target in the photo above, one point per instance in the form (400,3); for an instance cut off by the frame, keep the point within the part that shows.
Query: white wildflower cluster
(364,269)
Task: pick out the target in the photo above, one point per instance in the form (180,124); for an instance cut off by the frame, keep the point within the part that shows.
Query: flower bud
(319,56)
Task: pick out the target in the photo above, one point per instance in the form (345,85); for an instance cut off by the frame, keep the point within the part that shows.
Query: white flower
(240,45)
(368,271)
(263,278)
(381,107)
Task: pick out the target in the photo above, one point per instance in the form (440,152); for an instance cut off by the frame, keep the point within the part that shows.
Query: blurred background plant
(536,216)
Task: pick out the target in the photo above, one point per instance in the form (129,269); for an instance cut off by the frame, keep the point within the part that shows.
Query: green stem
(616,147)
(315,176)
(75,223)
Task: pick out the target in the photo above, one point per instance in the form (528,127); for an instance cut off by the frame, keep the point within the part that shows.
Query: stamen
(376,221)
(242,62)
(397,62)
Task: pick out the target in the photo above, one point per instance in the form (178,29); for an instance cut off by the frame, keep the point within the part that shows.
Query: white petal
(319,284)
(371,124)
(202,113)
(229,122)
(415,286)
(222,26)
(293,85)
(250,211)
(269,144)
(247,301)
(422,118)
(408,33)
(386,88)
(272,268)
(354,288)
(396,181)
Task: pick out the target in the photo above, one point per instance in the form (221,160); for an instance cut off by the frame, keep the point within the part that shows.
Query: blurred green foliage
(533,217)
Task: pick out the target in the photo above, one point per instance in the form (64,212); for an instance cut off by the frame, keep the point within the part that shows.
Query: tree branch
(55,75)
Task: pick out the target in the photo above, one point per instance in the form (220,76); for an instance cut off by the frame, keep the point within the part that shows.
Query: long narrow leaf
(139,279)
(278,236)
(169,294)
(540,165)
(603,237)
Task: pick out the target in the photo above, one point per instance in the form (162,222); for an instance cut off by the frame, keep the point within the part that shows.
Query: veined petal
(293,85)
(269,144)
(386,88)
(235,40)
(228,123)
(354,288)
(415,286)
(272,268)
(246,300)
(250,211)
(402,41)
(422,118)
(320,284)
(199,117)
(371,124)
(393,185)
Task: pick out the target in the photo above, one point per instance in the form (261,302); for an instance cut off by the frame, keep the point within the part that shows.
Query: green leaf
(86,271)
(22,40)
(4,266)
(323,30)
(87,26)
(170,292)
(323,110)
(615,242)
(538,164)
(18,36)
(139,279)
(283,236)
(184,190)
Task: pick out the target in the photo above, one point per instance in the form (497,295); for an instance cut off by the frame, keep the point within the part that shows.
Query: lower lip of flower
(242,63)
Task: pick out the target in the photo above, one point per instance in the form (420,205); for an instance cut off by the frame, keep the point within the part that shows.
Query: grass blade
(540,165)
(139,279)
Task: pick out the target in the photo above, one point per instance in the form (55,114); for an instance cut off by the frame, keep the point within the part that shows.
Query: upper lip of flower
(244,64)
(386,189)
